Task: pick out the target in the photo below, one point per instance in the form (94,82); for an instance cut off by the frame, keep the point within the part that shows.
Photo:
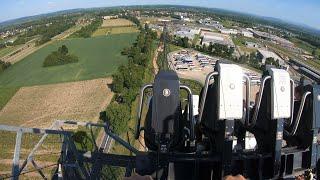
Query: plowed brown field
(39,106)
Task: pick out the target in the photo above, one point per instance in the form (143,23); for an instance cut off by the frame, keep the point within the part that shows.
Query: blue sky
(299,11)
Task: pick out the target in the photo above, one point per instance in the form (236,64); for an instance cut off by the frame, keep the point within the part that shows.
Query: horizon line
(235,11)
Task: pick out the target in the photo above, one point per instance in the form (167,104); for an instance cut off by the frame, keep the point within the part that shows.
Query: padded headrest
(280,93)
(230,89)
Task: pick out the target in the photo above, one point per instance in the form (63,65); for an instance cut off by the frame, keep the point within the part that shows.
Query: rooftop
(268,54)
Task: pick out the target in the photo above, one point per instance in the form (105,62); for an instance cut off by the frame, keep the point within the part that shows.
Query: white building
(252,44)
(215,38)
(264,54)
(187,32)
(273,38)
(110,17)
(228,31)
(246,33)
(186,19)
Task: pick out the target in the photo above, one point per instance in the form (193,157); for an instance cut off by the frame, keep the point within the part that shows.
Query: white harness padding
(280,93)
(195,106)
(230,89)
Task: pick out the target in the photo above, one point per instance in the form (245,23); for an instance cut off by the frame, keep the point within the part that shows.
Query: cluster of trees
(20,40)
(253,60)
(4,65)
(315,53)
(54,30)
(60,57)
(213,49)
(216,50)
(272,61)
(182,41)
(86,32)
(129,78)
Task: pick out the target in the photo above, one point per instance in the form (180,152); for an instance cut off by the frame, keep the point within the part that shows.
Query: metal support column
(315,148)
(227,147)
(278,137)
(16,157)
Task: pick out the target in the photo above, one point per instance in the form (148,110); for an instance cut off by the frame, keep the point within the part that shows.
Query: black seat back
(264,112)
(302,138)
(164,122)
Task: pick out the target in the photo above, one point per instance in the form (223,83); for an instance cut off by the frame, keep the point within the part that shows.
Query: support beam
(16,156)
(33,130)
(38,169)
(40,142)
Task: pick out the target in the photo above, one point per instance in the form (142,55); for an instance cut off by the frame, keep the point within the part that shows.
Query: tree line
(47,29)
(253,60)
(129,78)
(86,32)
(54,30)
(213,49)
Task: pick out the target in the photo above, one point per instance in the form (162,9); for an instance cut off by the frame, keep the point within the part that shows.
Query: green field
(98,57)
(5,95)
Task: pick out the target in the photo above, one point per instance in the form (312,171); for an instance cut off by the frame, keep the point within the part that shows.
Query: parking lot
(190,64)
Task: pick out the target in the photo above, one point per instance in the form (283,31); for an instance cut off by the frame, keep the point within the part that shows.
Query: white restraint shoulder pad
(280,94)
(230,97)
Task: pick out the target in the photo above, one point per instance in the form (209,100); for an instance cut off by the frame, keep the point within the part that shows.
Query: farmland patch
(39,106)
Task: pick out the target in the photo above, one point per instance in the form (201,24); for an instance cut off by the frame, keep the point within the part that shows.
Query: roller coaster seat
(301,134)
(224,98)
(274,98)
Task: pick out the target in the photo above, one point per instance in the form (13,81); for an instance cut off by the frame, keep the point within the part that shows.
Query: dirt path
(154,60)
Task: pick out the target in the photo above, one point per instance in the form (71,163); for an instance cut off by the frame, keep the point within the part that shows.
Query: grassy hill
(98,57)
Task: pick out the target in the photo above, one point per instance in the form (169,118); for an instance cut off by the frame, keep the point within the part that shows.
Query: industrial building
(187,32)
(251,44)
(215,38)
(110,17)
(211,23)
(228,31)
(274,38)
(264,54)
(246,33)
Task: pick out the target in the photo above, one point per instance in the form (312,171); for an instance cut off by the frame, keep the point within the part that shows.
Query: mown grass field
(114,30)
(116,23)
(98,57)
